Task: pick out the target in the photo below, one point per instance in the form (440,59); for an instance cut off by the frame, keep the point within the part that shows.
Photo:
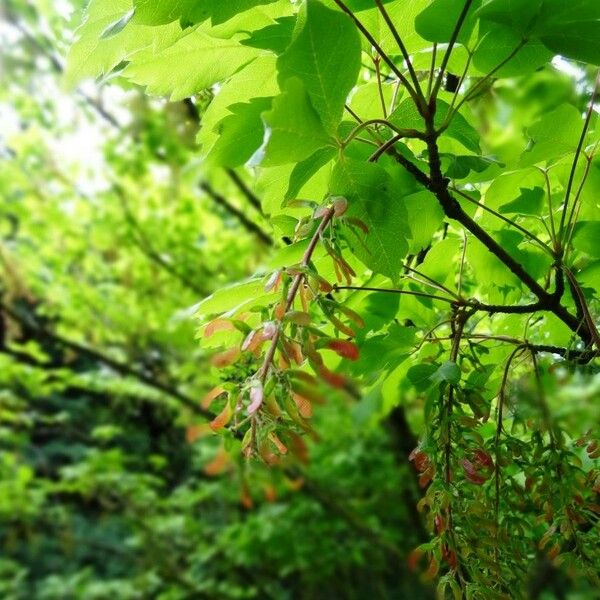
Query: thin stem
(431,70)
(583,356)
(586,125)
(427,337)
(382,146)
(394,96)
(568,353)
(352,114)
(394,291)
(453,38)
(402,47)
(358,128)
(291,296)
(471,93)
(462,263)
(376,62)
(358,119)
(366,141)
(385,147)
(461,80)
(381,53)
(544,224)
(574,215)
(431,281)
(431,285)
(368,67)
(550,207)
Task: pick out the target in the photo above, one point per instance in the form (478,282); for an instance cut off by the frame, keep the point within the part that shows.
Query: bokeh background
(110,233)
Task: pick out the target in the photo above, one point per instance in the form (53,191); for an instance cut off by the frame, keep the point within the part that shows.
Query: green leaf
(438,21)
(587,238)
(306,168)
(498,43)
(530,202)
(240,134)
(459,167)
(519,15)
(420,375)
(571,29)
(555,11)
(497,275)
(403,15)
(425,216)
(508,186)
(325,55)
(229,297)
(256,80)
(293,128)
(368,189)
(384,351)
(366,99)
(448,372)
(156,12)
(107,37)
(360,5)
(578,40)
(276,37)
(271,185)
(554,135)
(221,11)
(193,63)
(441,254)
(589,278)
(189,12)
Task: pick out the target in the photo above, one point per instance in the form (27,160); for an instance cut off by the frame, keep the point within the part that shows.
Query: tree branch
(248,224)
(28,322)
(246,191)
(510,222)
(439,186)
